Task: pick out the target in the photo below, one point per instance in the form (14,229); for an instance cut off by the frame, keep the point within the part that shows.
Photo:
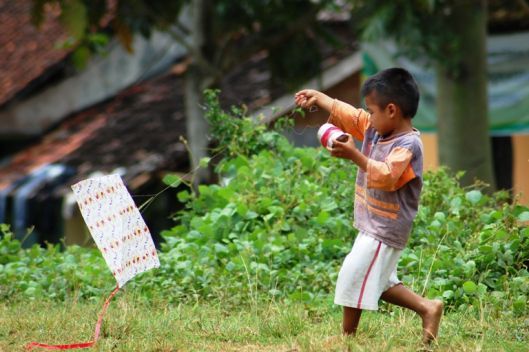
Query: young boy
(388,186)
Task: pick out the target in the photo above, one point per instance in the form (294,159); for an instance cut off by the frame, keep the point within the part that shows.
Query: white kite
(119,232)
(116,226)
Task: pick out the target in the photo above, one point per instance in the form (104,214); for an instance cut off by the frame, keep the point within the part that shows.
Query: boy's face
(383,120)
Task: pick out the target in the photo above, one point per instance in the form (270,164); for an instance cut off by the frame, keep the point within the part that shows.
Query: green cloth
(508,72)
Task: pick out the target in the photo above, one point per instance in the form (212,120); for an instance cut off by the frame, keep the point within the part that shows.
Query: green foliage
(49,272)
(73,17)
(420,27)
(467,246)
(239,135)
(88,21)
(232,30)
(276,225)
(84,17)
(295,61)
(279,225)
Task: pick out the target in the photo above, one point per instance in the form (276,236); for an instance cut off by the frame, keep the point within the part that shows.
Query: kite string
(312,108)
(88,344)
(181,179)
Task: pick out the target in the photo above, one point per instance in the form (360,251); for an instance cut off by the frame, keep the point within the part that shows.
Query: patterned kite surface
(117,227)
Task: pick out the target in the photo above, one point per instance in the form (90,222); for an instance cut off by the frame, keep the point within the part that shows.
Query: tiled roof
(51,149)
(142,131)
(139,130)
(26,52)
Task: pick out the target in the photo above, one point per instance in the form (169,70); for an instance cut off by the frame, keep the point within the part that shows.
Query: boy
(388,186)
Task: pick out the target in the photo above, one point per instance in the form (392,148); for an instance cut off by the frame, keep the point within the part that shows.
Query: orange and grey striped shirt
(387,193)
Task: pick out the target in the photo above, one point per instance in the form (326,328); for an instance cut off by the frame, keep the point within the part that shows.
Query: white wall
(103,77)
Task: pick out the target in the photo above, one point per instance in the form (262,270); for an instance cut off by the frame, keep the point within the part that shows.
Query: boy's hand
(343,148)
(310,97)
(347,150)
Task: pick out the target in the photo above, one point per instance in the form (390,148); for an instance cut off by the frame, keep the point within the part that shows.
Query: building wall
(520,162)
(521,167)
(431,157)
(103,77)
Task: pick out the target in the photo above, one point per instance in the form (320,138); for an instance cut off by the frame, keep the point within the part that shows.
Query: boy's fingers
(336,154)
(302,92)
(305,99)
(334,151)
(300,101)
(344,142)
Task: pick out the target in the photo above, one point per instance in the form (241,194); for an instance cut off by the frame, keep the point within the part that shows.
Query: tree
(220,35)
(451,34)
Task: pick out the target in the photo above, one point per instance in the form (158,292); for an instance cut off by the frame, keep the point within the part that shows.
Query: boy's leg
(429,310)
(352,286)
(351,317)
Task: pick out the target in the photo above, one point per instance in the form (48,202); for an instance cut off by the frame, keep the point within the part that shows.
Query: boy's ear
(392,109)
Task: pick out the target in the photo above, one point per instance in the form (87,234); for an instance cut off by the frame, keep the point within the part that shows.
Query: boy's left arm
(388,175)
(392,173)
(348,150)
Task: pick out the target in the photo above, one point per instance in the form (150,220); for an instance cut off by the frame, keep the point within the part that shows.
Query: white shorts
(368,270)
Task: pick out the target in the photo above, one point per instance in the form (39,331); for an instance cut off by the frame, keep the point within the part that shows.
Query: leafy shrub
(279,224)
(37,272)
(468,246)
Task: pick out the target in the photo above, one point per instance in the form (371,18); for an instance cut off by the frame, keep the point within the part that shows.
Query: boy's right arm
(346,117)
(310,97)
(350,119)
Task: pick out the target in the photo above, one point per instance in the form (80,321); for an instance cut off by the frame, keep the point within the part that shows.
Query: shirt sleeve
(392,173)
(349,119)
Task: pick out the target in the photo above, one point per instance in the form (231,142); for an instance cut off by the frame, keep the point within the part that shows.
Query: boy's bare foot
(431,321)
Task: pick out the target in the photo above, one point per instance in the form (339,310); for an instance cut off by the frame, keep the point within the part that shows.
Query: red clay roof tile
(26,52)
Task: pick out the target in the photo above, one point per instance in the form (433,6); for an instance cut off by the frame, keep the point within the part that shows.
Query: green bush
(36,272)
(279,224)
(468,246)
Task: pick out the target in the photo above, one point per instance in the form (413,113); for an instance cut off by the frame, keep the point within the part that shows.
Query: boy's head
(393,86)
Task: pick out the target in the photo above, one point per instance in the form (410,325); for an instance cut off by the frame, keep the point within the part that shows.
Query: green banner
(508,72)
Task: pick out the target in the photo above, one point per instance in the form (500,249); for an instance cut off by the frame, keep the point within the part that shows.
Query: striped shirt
(387,193)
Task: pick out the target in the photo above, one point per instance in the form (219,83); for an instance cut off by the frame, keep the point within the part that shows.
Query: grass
(132,324)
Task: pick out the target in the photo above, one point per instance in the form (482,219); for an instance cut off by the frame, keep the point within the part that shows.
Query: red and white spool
(328,133)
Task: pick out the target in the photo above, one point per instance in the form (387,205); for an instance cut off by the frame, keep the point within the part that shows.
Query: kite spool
(329,133)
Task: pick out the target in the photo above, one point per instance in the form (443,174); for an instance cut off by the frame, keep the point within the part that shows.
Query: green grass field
(131,324)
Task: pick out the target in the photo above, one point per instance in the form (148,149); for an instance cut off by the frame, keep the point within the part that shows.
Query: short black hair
(394,85)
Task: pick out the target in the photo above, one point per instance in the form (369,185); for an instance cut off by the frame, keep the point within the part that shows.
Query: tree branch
(524,6)
(197,57)
(242,53)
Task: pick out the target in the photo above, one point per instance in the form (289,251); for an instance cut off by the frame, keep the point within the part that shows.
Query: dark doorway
(503,164)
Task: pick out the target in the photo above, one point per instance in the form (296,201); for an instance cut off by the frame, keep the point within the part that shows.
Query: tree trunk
(196,81)
(464,141)
(197,127)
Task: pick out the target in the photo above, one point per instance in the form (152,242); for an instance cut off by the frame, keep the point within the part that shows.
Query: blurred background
(93,87)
